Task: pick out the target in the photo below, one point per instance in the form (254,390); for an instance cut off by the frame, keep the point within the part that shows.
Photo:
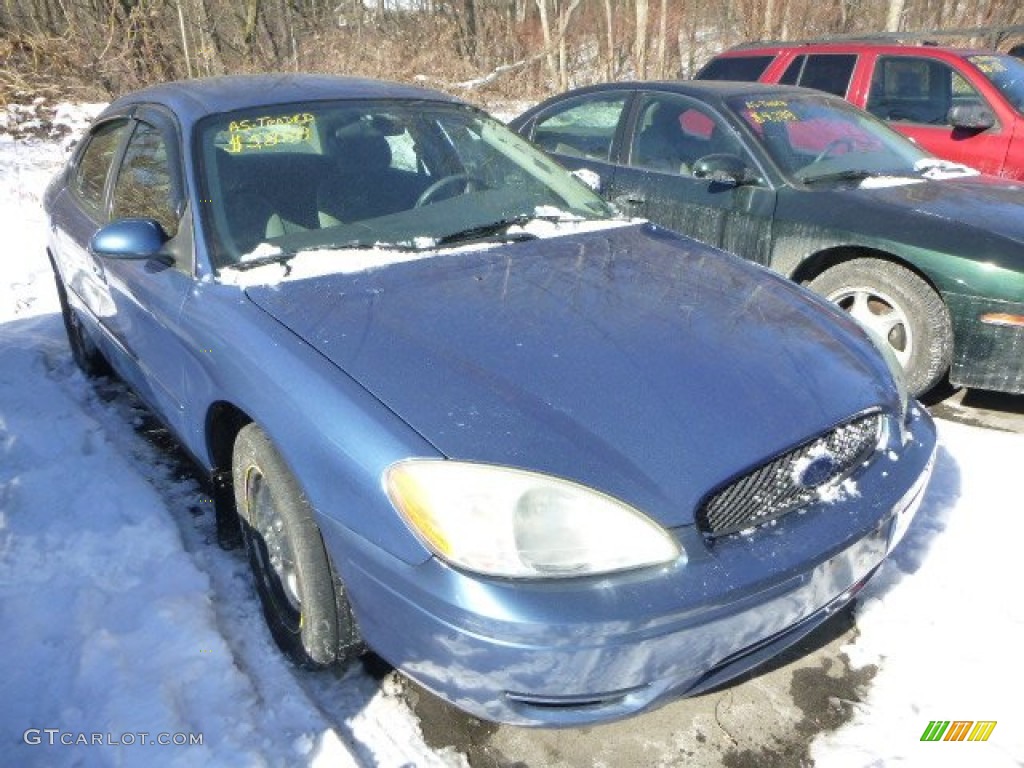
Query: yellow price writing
(773,116)
(269,131)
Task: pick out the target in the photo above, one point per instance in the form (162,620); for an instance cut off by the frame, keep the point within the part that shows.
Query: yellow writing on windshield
(269,131)
(771,111)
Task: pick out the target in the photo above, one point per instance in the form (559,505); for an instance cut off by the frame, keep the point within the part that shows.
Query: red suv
(962,104)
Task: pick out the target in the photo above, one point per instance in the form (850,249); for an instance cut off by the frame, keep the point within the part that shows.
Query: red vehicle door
(914,95)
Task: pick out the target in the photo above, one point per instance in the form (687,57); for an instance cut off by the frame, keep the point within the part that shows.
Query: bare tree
(640,39)
(609,26)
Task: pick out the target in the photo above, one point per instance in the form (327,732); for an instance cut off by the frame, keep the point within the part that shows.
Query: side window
(94,165)
(748,68)
(673,132)
(963,93)
(792,74)
(829,72)
(917,90)
(143,187)
(586,128)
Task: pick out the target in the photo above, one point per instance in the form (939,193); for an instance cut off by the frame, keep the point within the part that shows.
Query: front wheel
(901,309)
(304,603)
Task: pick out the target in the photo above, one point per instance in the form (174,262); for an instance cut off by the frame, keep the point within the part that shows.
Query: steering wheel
(469,184)
(832,146)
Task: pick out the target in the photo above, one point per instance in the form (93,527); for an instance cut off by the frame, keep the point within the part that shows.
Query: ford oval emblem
(818,471)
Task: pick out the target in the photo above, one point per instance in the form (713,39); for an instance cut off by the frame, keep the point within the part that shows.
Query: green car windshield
(1004,72)
(814,137)
(371,174)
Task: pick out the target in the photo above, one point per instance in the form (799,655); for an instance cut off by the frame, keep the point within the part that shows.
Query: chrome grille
(792,480)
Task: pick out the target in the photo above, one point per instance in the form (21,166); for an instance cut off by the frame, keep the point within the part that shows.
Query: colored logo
(958,730)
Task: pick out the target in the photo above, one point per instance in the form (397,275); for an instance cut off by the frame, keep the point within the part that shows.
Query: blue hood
(628,359)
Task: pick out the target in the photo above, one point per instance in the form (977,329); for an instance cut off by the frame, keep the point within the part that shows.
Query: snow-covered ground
(120,621)
(119,617)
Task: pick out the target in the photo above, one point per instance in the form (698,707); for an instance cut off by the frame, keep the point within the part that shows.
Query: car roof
(853,46)
(191,100)
(705,90)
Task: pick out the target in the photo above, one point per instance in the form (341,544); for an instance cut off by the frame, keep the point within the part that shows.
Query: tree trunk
(252,20)
(660,56)
(640,40)
(545,29)
(184,40)
(609,24)
(894,17)
(767,28)
(564,16)
(469,29)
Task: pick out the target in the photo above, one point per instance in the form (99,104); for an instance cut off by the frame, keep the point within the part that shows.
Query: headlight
(508,522)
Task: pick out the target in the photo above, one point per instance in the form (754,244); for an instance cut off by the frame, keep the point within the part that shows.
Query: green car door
(683,167)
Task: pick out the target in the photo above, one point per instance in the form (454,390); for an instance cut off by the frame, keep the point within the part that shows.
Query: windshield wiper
(282,257)
(847,175)
(262,261)
(495,230)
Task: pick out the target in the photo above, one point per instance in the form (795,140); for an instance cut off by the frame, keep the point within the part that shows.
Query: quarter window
(94,166)
(584,129)
(143,188)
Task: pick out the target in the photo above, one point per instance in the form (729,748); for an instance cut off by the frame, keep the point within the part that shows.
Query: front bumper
(986,353)
(564,653)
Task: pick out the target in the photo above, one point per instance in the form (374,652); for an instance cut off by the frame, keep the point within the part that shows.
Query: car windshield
(371,174)
(815,137)
(1004,72)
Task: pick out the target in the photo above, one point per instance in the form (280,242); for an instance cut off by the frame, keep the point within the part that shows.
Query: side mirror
(974,117)
(727,169)
(131,239)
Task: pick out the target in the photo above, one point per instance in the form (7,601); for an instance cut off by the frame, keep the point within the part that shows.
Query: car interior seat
(659,145)
(364,184)
(250,217)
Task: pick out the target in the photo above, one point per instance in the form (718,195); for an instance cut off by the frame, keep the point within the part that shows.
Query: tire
(901,308)
(304,603)
(84,351)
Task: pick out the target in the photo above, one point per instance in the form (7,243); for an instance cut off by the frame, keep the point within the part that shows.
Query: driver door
(668,135)
(148,295)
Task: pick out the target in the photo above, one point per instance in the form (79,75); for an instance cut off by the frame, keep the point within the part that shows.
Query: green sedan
(927,254)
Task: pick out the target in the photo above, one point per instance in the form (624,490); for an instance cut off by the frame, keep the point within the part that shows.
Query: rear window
(748,68)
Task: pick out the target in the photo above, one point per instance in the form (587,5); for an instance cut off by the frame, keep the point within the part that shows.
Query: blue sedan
(555,465)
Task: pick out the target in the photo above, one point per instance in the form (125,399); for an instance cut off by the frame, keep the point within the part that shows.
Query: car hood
(633,361)
(983,203)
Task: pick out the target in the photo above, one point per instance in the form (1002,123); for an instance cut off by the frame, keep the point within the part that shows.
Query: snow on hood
(936,168)
(932,168)
(549,222)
